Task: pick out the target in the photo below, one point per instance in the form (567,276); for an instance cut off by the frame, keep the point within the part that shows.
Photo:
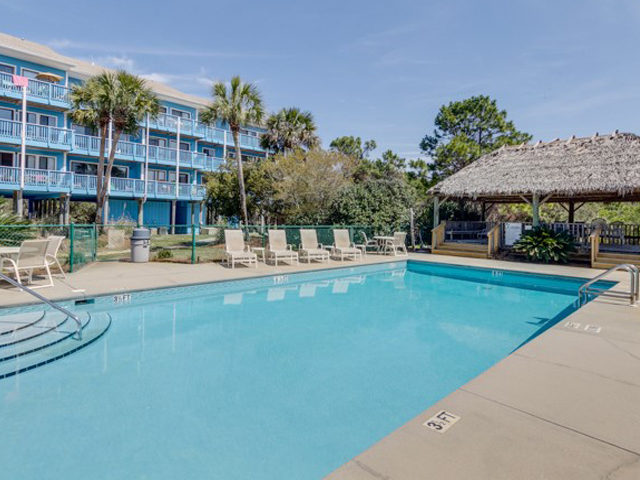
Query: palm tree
(289,129)
(117,99)
(240,104)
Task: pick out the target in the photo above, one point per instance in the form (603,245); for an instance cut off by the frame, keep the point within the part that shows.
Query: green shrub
(544,245)
(164,254)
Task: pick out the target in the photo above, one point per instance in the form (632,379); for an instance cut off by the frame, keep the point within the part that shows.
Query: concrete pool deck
(564,406)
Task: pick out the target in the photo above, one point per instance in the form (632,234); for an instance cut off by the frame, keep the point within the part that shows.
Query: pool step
(58,342)
(46,322)
(9,324)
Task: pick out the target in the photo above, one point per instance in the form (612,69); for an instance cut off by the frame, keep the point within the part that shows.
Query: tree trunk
(243,195)
(100,174)
(104,192)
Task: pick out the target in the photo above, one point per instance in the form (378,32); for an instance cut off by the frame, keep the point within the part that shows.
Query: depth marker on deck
(442,421)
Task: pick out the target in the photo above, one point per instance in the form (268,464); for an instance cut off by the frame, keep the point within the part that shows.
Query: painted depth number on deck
(441,421)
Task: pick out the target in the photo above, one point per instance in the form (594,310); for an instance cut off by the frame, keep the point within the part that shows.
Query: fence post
(71,249)
(193,243)
(94,246)
(413,228)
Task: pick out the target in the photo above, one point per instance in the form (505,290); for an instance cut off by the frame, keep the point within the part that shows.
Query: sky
(374,69)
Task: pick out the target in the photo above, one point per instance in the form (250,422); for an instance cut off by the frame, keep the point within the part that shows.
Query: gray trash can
(140,243)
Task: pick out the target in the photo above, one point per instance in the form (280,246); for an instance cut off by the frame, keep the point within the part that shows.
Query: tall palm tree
(240,104)
(117,99)
(289,129)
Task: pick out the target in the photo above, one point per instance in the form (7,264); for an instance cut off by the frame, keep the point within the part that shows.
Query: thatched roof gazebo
(601,168)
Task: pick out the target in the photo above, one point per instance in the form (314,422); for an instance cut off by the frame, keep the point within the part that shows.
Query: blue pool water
(276,378)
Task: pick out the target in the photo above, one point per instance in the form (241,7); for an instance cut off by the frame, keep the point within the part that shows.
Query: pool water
(277,378)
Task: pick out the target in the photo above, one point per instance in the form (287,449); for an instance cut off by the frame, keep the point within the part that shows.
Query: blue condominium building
(158,175)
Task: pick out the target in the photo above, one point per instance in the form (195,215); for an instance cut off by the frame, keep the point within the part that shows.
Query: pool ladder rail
(588,289)
(78,332)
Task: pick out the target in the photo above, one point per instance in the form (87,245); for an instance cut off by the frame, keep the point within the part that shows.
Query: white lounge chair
(310,248)
(55,242)
(343,247)
(397,244)
(32,255)
(279,249)
(235,251)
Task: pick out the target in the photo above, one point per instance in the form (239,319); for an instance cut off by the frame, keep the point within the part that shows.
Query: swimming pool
(283,377)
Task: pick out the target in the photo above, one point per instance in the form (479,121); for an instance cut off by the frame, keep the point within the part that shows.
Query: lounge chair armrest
(289,247)
(8,260)
(321,246)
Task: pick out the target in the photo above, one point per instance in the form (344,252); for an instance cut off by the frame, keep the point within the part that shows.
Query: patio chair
(397,244)
(366,243)
(279,249)
(55,241)
(310,248)
(235,251)
(343,247)
(32,255)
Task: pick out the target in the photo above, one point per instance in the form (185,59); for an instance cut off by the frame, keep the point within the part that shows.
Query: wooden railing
(493,240)
(594,239)
(437,235)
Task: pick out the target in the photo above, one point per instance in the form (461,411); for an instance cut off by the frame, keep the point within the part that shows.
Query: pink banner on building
(20,81)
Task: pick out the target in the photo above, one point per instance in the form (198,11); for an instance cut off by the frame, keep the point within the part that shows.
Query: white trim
(181,111)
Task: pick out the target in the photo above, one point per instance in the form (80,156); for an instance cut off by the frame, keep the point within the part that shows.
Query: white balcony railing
(11,131)
(37,90)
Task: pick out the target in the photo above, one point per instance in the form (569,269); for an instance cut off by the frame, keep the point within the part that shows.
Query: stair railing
(594,239)
(585,290)
(437,235)
(77,333)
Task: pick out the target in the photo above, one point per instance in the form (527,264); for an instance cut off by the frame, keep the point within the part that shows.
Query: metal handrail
(584,290)
(78,331)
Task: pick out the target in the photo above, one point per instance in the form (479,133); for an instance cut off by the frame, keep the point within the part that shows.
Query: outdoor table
(9,251)
(259,251)
(382,240)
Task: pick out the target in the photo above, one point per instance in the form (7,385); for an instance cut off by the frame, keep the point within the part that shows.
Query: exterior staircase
(607,260)
(469,250)
(30,340)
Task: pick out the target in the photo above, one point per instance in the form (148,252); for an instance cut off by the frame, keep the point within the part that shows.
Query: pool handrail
(632,295)
(77,333)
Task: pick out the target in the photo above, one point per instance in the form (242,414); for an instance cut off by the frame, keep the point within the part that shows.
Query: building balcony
(37,92)
(36,135)
(169,123)
(52,181)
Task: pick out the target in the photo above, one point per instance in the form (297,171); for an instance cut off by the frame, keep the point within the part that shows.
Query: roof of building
(83,69)
(597,168)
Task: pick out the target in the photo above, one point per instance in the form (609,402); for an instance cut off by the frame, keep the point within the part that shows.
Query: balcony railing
(68,182)
(37,91)
(169,123)
(36,135)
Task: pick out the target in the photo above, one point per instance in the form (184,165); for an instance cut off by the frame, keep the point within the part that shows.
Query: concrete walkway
(565,406)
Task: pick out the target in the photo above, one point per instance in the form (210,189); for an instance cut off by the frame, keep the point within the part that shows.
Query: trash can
(140,243)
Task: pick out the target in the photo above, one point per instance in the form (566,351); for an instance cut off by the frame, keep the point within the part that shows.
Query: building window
(162,109)
(82,168)
(6,159)
(32,74)
(10,69)
(209,152)
(181,113)
(40,162)
(157,142)
(184,177)
(6,114)
(158,175)
(40,119)
(82,130)
(183,145)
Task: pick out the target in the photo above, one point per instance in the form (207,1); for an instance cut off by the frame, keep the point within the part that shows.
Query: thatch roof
(598,168)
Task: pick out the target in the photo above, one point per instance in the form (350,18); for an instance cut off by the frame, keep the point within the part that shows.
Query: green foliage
(239,105)
(466,130)
(290,129)
(383,204)
(119,98)
(164,254)
(82,212)
(544,245)
(353,146)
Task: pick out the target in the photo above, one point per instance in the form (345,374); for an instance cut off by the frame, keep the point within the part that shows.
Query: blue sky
(375,69)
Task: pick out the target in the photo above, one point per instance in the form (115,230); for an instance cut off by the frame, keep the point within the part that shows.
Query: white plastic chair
(343,247)
(235,251)
(397,244)
(279,249)
(55,241)
(310,248)
(32,255)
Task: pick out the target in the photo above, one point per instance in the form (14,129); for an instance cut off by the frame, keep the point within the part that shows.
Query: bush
(164,254)
(544,245)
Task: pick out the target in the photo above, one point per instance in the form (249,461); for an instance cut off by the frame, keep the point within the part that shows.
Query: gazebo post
(535,205)
(572,211)
(436,211)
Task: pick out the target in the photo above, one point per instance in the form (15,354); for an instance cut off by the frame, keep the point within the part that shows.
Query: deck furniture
(55,241)
(235,251)
(32,255)
(343,247)
(366,243)
(9,251)
(397,244)
(261,252)
(310,248)
(279,249)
